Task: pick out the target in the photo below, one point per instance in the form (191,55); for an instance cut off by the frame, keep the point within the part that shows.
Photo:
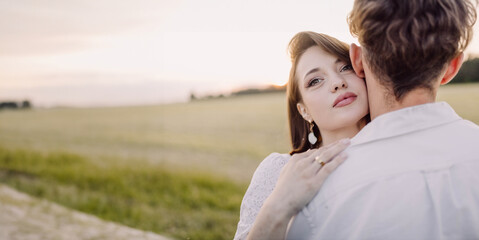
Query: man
(413,171)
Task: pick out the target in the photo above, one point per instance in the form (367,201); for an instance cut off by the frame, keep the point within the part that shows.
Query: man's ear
(304,112)
(452,68)
(355,54)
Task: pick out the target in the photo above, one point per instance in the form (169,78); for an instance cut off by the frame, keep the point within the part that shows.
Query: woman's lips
(345,99)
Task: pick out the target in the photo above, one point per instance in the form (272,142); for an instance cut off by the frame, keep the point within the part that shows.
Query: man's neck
(382,101)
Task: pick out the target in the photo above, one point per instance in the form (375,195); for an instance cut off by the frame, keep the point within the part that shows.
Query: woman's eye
(346,67)
(314,81)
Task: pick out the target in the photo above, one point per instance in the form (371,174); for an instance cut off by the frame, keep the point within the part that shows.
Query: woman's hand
(299,181)
(302,177)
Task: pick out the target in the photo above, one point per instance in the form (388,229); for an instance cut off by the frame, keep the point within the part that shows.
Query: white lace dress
(262,184)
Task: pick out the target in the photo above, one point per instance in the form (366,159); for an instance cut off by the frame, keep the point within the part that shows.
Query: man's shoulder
(402,184)
(460,131)
(435,149)
(469,125)
(409,199)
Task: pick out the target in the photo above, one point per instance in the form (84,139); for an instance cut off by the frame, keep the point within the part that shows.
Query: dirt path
(23,217)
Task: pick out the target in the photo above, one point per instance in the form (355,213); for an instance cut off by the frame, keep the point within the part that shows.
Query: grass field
(178,169)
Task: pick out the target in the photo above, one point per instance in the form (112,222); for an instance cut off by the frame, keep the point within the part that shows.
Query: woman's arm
(298,183)
(261,186)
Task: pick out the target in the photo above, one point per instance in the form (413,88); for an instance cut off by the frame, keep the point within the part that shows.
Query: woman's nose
(338,84)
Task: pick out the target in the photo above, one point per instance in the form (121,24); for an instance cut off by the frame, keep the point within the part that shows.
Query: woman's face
(333,96)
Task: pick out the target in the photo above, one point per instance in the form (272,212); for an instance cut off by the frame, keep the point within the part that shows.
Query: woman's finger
(326,155)
(314,159)
(327,169)
(303,155)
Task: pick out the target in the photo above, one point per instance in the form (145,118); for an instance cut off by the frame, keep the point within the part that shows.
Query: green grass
(463,97)
(182,204)
(178,169)
(227,137)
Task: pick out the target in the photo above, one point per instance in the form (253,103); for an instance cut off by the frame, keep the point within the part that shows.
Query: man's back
(411,174)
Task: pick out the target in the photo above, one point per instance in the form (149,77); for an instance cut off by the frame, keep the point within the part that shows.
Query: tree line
(468,73)
(26,104)
(242,92)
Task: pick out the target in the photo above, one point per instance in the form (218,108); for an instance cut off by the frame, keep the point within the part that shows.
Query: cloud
(31,27)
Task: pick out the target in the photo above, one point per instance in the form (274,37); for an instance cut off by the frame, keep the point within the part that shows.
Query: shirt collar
(406,120)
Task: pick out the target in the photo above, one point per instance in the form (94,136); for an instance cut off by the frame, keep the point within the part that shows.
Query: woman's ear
(304,112)
(355,54)
(452,68)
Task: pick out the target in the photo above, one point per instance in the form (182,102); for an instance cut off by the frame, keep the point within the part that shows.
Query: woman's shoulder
(275,160)
(271,166)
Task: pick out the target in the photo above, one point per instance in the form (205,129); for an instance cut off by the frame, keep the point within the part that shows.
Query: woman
(327,102)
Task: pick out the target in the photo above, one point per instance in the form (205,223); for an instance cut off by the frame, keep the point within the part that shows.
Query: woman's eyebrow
(311,71)
(317,69)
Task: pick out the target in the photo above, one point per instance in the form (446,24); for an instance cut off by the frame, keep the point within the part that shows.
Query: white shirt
(411,174)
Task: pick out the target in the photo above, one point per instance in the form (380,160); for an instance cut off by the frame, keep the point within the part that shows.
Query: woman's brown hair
(298,127)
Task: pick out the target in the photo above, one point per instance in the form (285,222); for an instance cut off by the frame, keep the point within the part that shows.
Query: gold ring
(318,159)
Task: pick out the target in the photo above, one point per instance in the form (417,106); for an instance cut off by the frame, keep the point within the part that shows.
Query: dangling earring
(312,139)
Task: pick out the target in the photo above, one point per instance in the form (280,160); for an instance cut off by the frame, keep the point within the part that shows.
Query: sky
(109,53)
